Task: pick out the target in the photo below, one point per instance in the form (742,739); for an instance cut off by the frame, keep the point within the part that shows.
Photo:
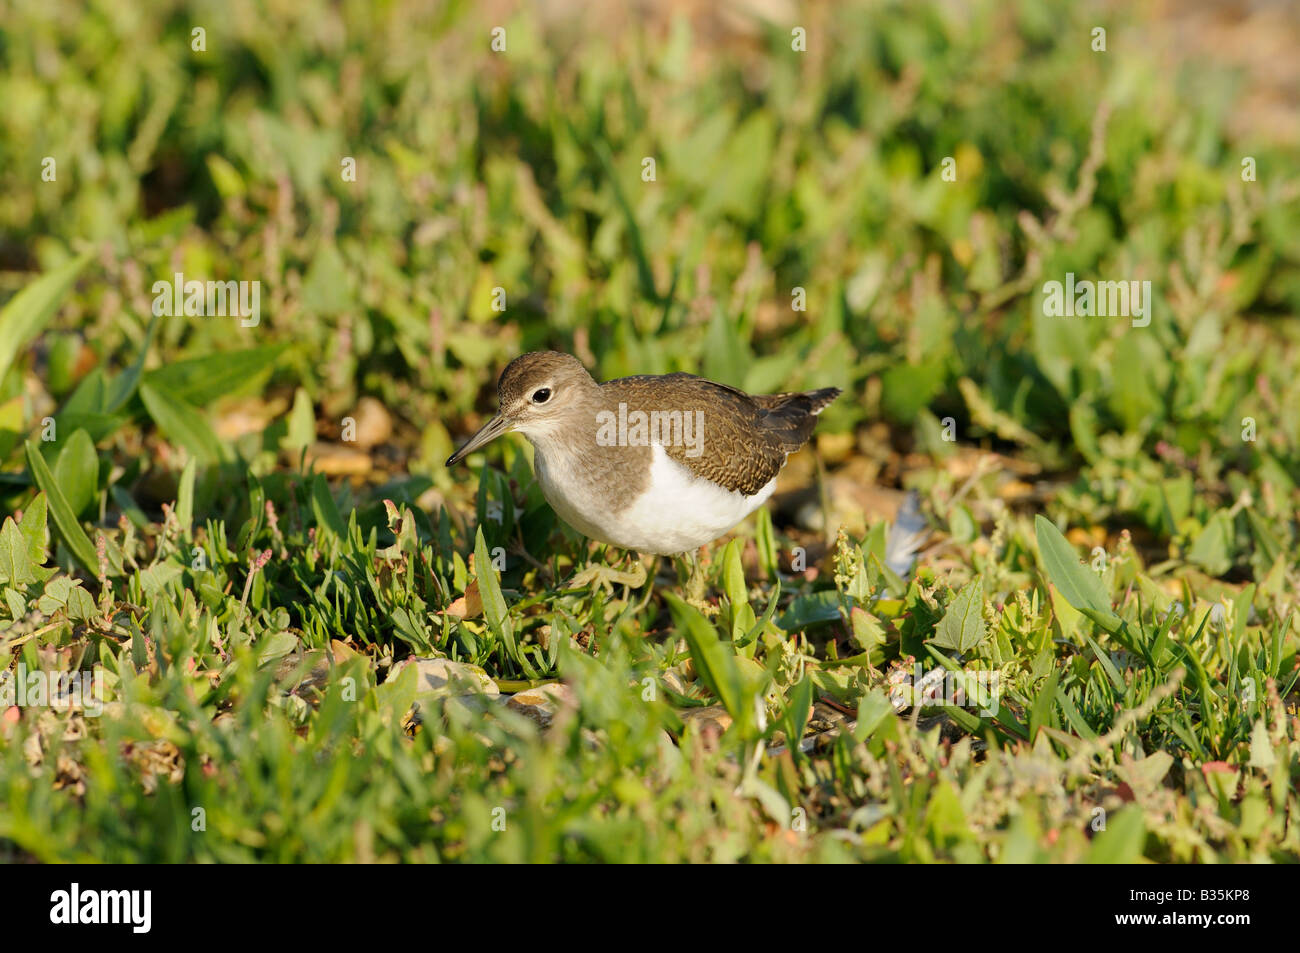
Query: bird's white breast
(676,513)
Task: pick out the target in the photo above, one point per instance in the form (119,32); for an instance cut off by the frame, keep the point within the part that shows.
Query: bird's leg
(607,576)
(697,584)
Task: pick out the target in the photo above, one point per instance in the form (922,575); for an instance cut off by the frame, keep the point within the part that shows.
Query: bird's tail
(796,414)
(819,400)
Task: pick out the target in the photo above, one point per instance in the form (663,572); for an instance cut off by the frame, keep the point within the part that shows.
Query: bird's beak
(490,431)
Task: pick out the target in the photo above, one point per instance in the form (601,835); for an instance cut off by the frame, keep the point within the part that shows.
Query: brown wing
(743,439)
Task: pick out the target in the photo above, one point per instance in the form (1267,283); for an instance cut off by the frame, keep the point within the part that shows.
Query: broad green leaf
(873,708)
(734,574)
(325,509)
(812,609)
(15,563)
(65,520)
(301,427)
(276,646)
(90,397)
(182,423)
(154,579)
(27,312)
(33,527)
(202,380)
(77,471)
(96,426)
(714,660)
(1081,587)
(80,605)
(1212,550)
(962,627)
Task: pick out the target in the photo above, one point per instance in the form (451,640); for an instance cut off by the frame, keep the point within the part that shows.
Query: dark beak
(490,431)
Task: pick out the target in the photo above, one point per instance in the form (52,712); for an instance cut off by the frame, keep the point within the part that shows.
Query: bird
(653,464)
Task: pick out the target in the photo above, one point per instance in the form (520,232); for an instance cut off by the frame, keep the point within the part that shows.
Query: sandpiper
(655,464)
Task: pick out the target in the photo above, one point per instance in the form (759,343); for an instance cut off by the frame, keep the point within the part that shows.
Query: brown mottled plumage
(747,436)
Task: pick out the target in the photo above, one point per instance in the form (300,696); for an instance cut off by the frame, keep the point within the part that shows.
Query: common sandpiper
(654,464)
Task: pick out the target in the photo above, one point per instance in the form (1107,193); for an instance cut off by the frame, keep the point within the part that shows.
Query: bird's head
(537,391)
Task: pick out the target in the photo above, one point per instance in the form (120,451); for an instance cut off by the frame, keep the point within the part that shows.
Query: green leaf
(760,624)
(1212,550)
(812,609)
(324,508)
(185,496)
(33,526)
(765,536)
(12,424)
(797,710)
(301,426)
(202,380)
(715,663)
(326,288)
(77,471)
(1041,712)
(981,696)
(27,312)
(155,579)
(15,563)
(276,646)
(873,708)
(1122,841)
(182,423)
(96,426)
(16,602)
(229,183)
(122,387)
(1112,673)
(494,603)
(962,627)
(1261,749)
(65,520)
(89,398)
(80,606)
(733,574)
(1072,715)
(1081,587)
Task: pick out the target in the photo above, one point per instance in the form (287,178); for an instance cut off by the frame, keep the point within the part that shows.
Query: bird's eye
(541,395)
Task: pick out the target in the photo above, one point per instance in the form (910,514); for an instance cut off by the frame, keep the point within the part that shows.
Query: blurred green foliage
(778,176)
